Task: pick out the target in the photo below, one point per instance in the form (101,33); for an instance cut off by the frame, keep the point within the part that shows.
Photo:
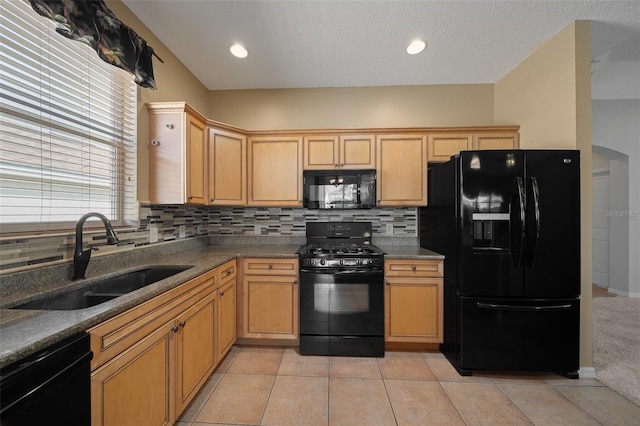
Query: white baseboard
(623,293)
(587,373)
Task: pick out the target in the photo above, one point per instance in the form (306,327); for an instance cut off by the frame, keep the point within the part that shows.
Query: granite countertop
(23,332)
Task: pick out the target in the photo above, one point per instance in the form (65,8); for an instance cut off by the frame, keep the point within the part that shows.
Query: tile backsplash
(160,223)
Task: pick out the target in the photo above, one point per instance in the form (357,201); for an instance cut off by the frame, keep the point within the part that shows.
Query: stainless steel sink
(101,290)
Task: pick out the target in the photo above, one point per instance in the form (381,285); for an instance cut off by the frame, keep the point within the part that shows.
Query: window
(67,128)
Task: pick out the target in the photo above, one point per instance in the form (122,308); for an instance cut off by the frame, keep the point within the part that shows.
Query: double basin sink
(98,291)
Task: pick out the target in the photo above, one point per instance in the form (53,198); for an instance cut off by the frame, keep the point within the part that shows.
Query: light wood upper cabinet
(402,169)
(442,146)
(323,152)
(275,171)
(177,160)
(414,301)
(227,168)
(496,141)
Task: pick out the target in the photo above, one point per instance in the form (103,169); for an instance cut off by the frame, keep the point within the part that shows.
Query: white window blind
(67,128)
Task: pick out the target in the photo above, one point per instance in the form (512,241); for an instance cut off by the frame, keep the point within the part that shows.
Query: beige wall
(549,95)
(354,107)
(173,80)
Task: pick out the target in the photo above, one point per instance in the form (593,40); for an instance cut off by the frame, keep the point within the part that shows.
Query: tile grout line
(384,383)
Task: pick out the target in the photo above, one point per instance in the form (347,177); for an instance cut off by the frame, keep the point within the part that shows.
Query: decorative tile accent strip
(282,221)
(179,222)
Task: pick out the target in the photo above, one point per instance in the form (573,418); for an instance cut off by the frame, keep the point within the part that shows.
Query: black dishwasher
(51,386)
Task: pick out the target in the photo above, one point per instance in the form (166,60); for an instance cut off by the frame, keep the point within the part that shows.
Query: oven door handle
(330,271)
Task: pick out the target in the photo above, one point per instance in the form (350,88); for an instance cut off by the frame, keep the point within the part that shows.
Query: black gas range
(341,291)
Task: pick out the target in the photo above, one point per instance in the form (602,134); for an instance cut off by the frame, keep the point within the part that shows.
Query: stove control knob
(341,261)
(370,262)
(322,261)
(359,262)
(311,262)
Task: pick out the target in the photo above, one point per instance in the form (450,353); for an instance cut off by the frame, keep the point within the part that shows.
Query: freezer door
(491,213)
(552,257)
(517,335)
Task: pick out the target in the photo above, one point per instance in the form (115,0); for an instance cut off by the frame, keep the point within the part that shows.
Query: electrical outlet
(389,228)
(257,229)
(183,231)
(153,234)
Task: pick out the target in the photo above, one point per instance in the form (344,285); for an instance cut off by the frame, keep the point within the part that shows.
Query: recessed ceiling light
(238,51)
(416,47)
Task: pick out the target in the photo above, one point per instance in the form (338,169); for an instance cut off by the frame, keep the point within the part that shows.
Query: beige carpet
(616,344)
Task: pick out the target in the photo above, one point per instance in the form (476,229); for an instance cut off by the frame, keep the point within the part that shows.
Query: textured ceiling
(295,44)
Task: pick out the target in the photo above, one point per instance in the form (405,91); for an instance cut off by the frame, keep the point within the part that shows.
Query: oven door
(341,312)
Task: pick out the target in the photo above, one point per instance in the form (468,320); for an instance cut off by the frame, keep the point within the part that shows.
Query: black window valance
(93,23)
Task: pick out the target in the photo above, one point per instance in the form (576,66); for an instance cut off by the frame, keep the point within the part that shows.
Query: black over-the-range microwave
(339,189)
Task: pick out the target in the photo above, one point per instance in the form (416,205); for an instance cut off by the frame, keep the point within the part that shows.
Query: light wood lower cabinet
(135,387)
(226,308)
(414,301)
(197,357)
(150,361)
(270,298)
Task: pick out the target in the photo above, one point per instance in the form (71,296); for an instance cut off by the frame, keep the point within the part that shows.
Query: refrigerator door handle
(533,250)
(501,307)
(517,238)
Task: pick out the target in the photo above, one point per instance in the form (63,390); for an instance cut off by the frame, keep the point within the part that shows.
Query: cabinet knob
(295,282)
(155,142)
(182,324)
(174,329)
(221,293)
(270,266)
(190,197)
(169,126)
(413,267)
(212,199)
(229,272)
(342,165)
(387,283)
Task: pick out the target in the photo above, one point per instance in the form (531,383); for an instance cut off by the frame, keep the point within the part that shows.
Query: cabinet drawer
(226,272)
(270,266)
(413,268)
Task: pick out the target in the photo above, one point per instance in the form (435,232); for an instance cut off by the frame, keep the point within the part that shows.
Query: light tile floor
(277,386)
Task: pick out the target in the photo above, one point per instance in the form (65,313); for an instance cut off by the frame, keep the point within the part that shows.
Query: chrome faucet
(80,257)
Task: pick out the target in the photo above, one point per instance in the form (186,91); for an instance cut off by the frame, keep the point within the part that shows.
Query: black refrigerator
(508,223)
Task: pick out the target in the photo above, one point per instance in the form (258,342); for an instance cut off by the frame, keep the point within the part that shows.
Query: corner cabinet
(402,170)
(150,361)
(227,168)
(275,171)
(270,298)
(177,160)
(339,152)
(414,300)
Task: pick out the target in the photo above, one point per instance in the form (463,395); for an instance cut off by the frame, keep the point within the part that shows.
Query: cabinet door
(196,352)
(227,168)
(402,170)
(275,171)
(270,306)
(357,152)
(496,141)
(196,168)
(413,310)
(136,387)
(321,153)
(226,317)
(442,146)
